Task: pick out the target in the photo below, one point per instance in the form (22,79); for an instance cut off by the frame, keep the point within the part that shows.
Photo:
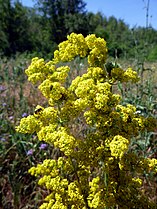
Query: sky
(133,12)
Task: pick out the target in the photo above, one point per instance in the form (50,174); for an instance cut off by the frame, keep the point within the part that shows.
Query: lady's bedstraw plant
(95,168)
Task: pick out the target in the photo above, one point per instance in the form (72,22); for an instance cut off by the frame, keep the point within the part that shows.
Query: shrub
(92,130)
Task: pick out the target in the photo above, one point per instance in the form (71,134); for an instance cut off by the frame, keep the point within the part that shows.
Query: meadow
(19,152)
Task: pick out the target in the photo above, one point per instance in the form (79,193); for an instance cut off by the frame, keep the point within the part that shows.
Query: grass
(18,98)
(18,190)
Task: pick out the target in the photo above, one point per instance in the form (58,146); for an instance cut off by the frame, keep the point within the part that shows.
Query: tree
(4,24)
(97,24)
(62,17)
(14,28)
(19,36)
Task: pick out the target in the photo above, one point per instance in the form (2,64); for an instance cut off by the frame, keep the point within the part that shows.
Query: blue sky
(133,12)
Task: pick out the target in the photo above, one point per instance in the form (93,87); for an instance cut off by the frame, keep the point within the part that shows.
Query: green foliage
(92,128)
(19,34)
(4,24)
(15,29)
(62,17)
(40,29)
(153,54)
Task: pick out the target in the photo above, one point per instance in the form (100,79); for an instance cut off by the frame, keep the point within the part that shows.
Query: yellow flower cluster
(68,50)
(98,50)
(78,45)
(29,125)
(96,169)
(52,90)
(59,138)
(62,193)
(42,117)
(152,163)
(94,200)
(119,74)
(126,112)
(74,195)
(38,70)
(118,146)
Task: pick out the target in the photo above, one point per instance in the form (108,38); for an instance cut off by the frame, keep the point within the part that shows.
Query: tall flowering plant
(95,168)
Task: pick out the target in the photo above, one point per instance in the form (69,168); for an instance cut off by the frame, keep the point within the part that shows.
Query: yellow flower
(29,125)
(90,127)
(118,146)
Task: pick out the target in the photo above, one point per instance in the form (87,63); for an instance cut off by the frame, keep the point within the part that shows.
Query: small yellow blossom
(118,146)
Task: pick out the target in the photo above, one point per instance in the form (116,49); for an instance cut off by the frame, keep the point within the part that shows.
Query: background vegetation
(28,32)
(39,30)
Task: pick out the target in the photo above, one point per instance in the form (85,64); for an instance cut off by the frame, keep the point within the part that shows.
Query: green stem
(79,184)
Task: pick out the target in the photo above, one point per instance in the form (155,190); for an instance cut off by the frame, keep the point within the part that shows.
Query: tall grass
(18,99)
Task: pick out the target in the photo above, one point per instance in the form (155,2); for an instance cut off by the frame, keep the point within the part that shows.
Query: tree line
(41,28)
